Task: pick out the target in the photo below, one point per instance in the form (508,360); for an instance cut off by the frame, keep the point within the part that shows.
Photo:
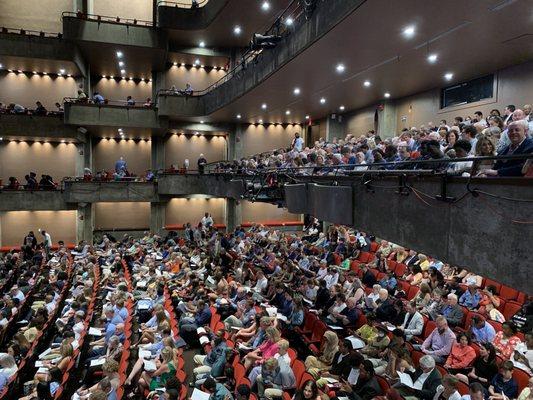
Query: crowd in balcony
(436,144)
(31,183)
(269,314)
(39,110)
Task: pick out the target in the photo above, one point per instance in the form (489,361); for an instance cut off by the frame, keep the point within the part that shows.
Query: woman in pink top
(265,350)
(461,357)
(506,340)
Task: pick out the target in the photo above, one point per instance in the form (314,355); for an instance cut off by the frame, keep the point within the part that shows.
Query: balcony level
(174,15)
(120,191)
(39,200)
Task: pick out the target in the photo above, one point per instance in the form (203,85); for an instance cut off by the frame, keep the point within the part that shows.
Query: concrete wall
(199,78)
(14,225)
(27,89)
(139,9)
(35,15)
(114,89)
(262,212)
(136,153)
(260,138)
(180,147)
(19,158)
(180,211)
(116,216)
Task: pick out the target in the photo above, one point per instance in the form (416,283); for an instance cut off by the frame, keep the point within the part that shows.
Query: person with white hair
(202,162)
(426,377)
(520,143)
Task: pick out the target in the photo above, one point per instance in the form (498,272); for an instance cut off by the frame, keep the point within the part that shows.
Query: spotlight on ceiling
(237,30)
(119,54)
(340,68)
(265,6)
(448,76)
(409,31)
(307,117)
(239,116)
(432,58)
(289,21)
(288,112)
(121,63)
(387,95)
(341,108)
(62,71)
(296,91)
(367,84)
(264,106)
(201,44)
(322,100)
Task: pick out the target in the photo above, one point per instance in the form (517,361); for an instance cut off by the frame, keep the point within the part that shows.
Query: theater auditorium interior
(266,199)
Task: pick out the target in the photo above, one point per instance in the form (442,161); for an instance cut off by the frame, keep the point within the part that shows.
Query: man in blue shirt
(482,332)
(471,298)
(120,165)
(98,98)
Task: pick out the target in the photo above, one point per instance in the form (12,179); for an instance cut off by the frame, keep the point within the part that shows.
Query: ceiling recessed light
(69,75)
(196,62)
(9,70)
(265,6)
(237,30)
(35,72)
(121,63)
(202,66)
(432,58)
(62,140)
(150,80)
(45,73)
(131,77)
(19,71)
(122,71)
(260,121)
(387,95)
(111,77)
(264,106)
(448,76)
(341,108)
(201,44)
(197,133)
(367,84)
(103,76)
(296,91)
(201,122)
(340,68)
(119,54)
(288,112)
(239,116)
(62,71)
(1,65)
(322,100)
(409,31)
(289,21)
(307,117)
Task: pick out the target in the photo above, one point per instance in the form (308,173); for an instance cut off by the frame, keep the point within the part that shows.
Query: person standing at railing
(188,91)
(98,98)
(130,101)
(202,162)
(120,165)
(297,142)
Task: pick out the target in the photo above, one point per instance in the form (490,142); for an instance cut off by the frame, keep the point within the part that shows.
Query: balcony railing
(107,19)
(182,4)
(29,32)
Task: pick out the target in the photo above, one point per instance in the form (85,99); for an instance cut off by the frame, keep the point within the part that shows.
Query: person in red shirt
(461,357)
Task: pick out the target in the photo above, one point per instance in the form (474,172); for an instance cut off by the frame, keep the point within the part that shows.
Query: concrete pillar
(157,218)
(387,126)
(85,222)
(80,5)
(154,12)
(235,146)
(233,214)
(335,127)
(158,153)
(159,81)
(84,158)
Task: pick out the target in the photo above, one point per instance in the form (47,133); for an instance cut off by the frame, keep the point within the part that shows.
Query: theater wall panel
(26,89)
(38,15)
(14,225)
(260,138)
(19,158)
(262,212)
(137,154)
(180,147)
(114,89)
(132,9)
(182,210)
(117,216)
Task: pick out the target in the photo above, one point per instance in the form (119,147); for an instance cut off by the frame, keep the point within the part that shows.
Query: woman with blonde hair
(266,350)
(484,148)
(66,352)
(165,369)
(330,347)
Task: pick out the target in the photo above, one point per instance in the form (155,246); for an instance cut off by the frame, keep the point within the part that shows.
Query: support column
(158,153)
(235,146)
(85,222)
(387,120)
(157,218)
(159,81)
(334,127)
(154,12)
(84,157)
(233,214)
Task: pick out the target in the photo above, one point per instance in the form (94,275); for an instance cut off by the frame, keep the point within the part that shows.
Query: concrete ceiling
(247,14)
(40,65)
(471,38)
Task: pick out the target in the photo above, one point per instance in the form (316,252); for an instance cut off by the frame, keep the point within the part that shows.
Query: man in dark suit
(520,144)
(426,375)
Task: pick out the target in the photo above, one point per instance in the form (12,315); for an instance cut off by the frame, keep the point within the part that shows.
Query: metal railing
(181,4)
(294,11)
(29,32)
(107,102)
(106,18)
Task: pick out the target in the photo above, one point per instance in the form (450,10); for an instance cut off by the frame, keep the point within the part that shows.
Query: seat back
(400,270)
(511,308)
(508,293)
